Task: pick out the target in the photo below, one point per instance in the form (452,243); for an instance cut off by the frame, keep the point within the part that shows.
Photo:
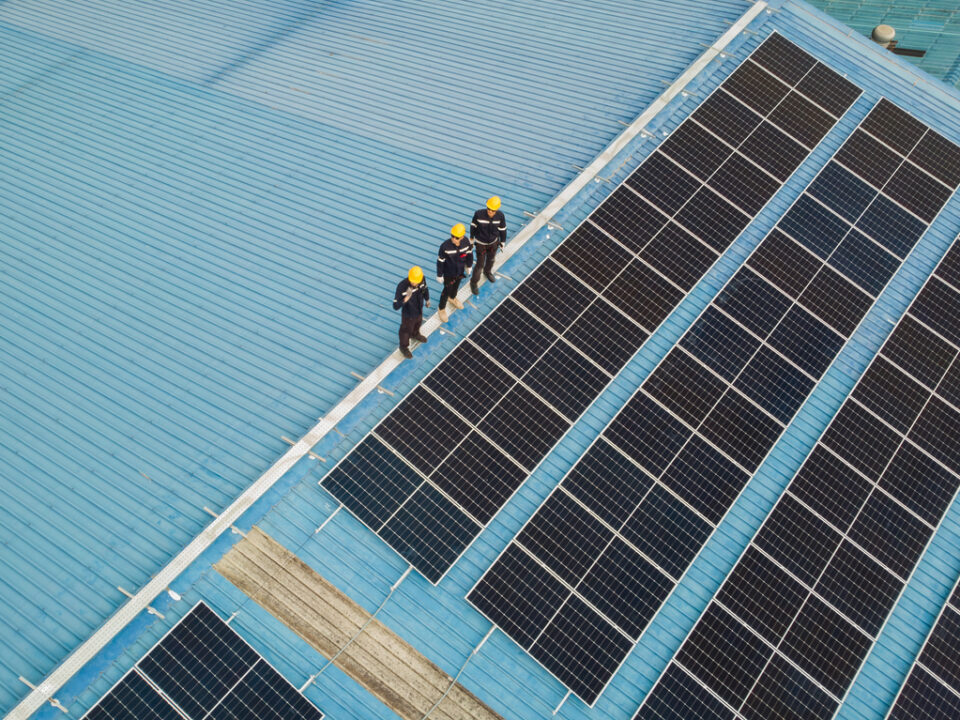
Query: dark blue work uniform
(453,261)
(411,314)
(487,235)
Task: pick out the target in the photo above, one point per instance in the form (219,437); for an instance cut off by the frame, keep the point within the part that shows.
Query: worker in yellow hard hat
(455,258)
(412,294)
(488,232)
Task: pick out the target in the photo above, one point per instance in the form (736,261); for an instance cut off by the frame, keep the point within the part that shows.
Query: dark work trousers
(409,326)
(450,287)
(484,261)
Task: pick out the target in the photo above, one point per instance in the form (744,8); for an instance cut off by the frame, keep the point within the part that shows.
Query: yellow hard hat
(415,275)
(458,230)
(493,203)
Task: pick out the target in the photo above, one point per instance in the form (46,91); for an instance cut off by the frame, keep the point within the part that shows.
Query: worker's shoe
(442,314)
(406,353)
(490,277)
(473,288)
(420,337)
(456,303)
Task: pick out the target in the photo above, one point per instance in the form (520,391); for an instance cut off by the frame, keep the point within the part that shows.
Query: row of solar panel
(790,627)
(434,472)
(602,563)
(203,670)
(932,689)
(606,548)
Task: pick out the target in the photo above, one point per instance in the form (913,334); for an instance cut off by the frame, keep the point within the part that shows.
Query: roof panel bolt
(883,35)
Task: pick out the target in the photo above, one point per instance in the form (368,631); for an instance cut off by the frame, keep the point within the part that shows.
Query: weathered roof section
(202,201)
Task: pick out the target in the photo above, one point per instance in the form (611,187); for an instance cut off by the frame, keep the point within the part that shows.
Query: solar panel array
(437,469)
(203,670)
(932,689)
(791,625)
(584,577)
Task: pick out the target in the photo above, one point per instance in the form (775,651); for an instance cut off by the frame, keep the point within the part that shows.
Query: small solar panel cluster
(437,469)
(932,689)
(203,670)
(790,627)
(584,577)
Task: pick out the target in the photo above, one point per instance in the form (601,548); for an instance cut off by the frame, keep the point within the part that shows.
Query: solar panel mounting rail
(789,629)
(437,469)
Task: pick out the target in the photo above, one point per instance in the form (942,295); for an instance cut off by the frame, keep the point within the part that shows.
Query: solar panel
(932,688)
(810,594)
(203,670)
(529,370)
(706,417)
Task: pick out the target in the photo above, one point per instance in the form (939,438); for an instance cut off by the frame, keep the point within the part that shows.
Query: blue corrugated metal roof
(202,202)
(437,621)
(932,26)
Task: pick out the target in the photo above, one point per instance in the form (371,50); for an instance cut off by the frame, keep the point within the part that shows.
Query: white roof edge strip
(46,690)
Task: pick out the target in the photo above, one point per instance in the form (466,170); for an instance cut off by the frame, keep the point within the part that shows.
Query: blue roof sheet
(203,201)
(437,620)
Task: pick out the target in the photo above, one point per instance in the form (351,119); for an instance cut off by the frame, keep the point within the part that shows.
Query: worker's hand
(427,303)
(439,279)
(408,293)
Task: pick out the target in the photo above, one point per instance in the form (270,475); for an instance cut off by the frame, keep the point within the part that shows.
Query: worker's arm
(398,298)
(503,229)
(440,261)
(473,228)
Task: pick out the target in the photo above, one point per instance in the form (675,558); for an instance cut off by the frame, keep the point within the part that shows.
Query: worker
(412,295)
(455,258)
(488,232)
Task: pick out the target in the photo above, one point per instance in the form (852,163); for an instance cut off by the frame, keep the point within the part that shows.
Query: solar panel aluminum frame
(947,604)
(160,640)
(812,593)
(628,459)
(473,426)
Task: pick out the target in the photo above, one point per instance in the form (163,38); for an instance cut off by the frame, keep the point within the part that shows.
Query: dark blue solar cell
(817,482)
(891,226)
(554,295)
(809,343)
(705,478)
(566,379)
(785,693)
(918,482)
(430,532)
(868,158)
(647,433)
(591,255)
(753,301)
(949,268)
(263,694)
(742,182)
(713,219)
(663,183)
(917,192)
(625,587)
(678,256)
(468,366)
(606,336)
(479,477)
(742,431)
(896,127)
(372,482)
(644,295)
(939,157)
(696,149)
(774,384)
(524,426)
(924,697)
(608,483)
(519,595)
(938,306)
(864,262)
(919,351)
(667,531)
(859,587)
(812,225)
(892,394)
(762,594)
(785,263)
(565,537)
(685,386)
(940,655)
(720,343)
(891,533)
(784,59)
(677,696)
(861,439)
(724,654)
(629,218)
(826,645)
(842,191)
(198,661)
(513,337)
(726,117)
(133,698)
(836,300)
(600,648)
(937,430)
(797,539)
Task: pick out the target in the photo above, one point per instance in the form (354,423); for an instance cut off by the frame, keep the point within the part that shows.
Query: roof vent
(883,34)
